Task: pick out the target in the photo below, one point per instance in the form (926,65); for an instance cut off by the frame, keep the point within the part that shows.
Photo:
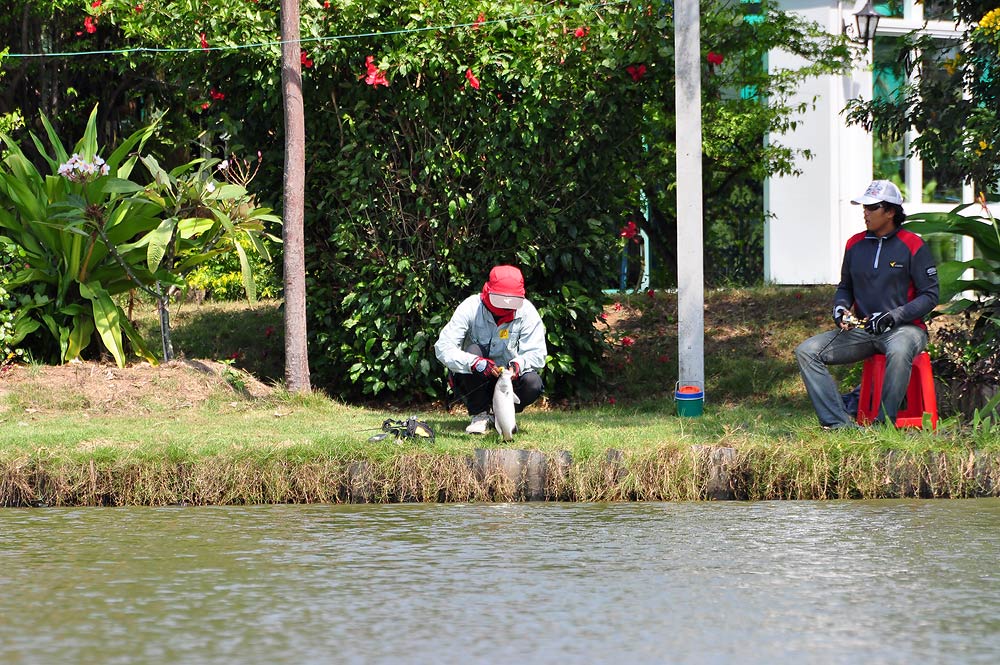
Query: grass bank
(211,432)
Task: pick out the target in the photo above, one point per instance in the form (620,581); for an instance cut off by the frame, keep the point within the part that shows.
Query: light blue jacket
(521,340)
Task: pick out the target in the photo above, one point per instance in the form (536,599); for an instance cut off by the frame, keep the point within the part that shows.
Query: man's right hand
(838,316)
(486,367)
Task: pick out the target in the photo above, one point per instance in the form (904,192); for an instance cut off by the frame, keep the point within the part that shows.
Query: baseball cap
(878,191)
(505,287)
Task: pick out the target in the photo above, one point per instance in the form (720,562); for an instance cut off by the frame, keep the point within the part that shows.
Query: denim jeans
(841,347)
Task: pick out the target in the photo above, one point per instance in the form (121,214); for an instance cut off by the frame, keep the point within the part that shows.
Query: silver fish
(503,406)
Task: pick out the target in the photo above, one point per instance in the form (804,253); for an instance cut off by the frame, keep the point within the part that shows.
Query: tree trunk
(296,350)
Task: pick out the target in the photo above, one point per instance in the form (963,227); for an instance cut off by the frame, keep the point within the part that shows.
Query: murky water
(776,582)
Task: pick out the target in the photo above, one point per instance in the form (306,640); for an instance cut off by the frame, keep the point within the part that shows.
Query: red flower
(216,95)
(374,76)
(663,359)
(629,230)
(714,58)
(138,8)
(651,293)
(618,307)
(204,42)
(95,4)
(581,32)
(479,21)
(627,341)
(471,78)
(306,62)
(268,331)
(636,71)
(326,5)
(90,24)
(205,106)
(603,317)
(611,400)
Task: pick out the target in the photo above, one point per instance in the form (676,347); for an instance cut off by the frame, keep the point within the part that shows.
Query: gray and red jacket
(894,273)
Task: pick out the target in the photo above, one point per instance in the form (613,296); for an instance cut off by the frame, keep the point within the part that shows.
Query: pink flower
(581,32)
(714,58)
(479,21)
(90,24)
(636,71)
(627,341)
(306,62)
(471,78)
(205,106)
(204,42)
(374,76)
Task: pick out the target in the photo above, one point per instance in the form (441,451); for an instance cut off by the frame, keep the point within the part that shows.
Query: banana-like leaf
(138,343)
(79,336)
(248,282)
(157,241)
(107,319)
(160,177)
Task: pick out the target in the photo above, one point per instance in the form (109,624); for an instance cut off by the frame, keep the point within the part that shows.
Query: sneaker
(480,423)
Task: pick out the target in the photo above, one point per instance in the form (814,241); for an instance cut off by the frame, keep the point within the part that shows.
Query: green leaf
(107,319)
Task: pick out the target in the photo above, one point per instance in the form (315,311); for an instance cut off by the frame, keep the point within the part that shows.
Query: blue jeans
(841,347)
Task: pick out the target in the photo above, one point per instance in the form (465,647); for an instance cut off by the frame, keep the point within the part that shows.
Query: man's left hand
(879,323)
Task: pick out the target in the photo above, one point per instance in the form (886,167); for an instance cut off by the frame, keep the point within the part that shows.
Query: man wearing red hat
(495,328)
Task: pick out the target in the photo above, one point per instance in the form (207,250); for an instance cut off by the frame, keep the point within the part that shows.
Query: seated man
(490,330)
(888,283)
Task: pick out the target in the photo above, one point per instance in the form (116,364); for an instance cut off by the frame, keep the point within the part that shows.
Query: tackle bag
(410,428)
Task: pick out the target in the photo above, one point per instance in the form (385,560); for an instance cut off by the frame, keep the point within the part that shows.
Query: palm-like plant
(90,233)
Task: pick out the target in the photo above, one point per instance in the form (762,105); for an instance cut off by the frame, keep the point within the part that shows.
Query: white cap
(878,191)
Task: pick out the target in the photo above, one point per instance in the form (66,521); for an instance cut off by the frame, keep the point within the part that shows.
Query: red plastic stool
(920,396)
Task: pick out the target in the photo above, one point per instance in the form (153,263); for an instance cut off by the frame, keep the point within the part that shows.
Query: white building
(811,215)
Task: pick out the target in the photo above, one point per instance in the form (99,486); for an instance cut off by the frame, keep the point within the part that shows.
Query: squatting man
(494,329)
(888,284)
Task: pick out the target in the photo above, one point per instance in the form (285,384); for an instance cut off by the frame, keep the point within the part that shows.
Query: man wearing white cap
(495,328)
(888,283)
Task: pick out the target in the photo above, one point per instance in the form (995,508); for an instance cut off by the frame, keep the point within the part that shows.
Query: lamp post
(865,25)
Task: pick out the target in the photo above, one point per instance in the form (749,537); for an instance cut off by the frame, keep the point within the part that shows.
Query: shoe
(480,423)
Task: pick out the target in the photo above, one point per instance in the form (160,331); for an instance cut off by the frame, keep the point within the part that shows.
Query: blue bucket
(690,398)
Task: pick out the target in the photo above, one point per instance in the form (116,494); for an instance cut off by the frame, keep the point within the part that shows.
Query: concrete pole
(690,245)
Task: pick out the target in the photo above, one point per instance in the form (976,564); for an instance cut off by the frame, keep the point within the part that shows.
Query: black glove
(879,323)
(838,314)
(486,367)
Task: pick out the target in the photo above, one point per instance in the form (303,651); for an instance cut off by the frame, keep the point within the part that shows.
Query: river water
(770,582)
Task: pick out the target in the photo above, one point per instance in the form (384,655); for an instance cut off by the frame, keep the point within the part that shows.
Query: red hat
(505,287)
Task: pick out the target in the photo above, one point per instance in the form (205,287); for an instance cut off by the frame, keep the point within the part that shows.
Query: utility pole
(296,346)
(690,243)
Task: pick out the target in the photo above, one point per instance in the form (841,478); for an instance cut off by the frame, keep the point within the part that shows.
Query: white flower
(210,187)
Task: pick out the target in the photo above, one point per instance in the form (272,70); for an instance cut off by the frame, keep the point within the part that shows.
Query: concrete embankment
(675,473)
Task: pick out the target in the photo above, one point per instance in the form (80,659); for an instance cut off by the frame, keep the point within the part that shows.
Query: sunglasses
(872,207)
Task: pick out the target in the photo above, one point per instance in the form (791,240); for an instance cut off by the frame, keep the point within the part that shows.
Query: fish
(504,400)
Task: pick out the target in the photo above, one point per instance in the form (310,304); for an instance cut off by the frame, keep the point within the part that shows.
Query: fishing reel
(848,319)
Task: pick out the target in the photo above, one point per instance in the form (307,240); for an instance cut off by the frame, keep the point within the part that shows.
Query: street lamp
(865,24)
